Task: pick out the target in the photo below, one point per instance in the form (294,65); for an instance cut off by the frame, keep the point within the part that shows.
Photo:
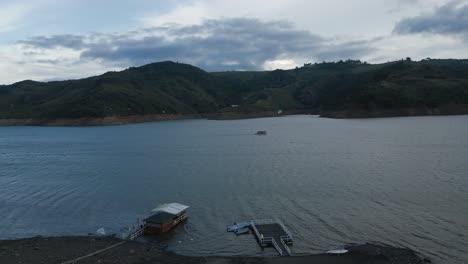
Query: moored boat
(237,226)
(242,231)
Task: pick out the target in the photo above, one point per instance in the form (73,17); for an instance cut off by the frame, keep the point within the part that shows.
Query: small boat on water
(242,231)
(261,133)
(337,251)
(237,226)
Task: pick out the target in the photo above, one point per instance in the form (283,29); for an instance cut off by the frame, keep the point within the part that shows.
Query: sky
(48,40)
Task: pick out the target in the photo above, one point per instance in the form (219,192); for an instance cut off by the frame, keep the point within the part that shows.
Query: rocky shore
(66,249)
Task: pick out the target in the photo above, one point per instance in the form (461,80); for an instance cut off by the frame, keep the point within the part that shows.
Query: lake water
(398,181)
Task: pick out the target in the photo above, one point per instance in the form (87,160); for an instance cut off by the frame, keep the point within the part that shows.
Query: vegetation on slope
(340,89)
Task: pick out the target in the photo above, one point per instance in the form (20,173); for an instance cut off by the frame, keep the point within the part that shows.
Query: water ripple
(398,181)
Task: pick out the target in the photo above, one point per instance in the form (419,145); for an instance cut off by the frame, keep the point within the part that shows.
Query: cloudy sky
(61,39)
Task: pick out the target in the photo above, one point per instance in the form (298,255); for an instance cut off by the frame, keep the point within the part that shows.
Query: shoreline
(135,119)
(94,121)
(447,110)
(64,249)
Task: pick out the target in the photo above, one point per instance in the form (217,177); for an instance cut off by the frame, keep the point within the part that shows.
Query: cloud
(364,18)
(49,42)
(416,46)
(45,65)
(214,45)
(242,42)
(450,18)
(11,15)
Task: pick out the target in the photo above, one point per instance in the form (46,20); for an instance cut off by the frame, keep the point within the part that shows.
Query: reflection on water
(399,181)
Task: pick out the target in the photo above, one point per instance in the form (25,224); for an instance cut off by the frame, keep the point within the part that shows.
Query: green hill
(341,89)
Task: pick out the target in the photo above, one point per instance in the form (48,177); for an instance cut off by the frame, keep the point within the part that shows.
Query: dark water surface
(399,181)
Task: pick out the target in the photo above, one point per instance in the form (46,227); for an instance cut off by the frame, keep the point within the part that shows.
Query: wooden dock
(273,233)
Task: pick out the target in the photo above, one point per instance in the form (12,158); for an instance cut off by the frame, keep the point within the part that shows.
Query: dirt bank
(94,121)
(122,120)
(63,249)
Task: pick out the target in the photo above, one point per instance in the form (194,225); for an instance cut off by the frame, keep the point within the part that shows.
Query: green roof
(159,218)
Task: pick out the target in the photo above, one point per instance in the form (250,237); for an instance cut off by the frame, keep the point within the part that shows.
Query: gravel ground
(62,249)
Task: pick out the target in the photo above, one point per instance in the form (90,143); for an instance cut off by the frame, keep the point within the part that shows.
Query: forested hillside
(340,89)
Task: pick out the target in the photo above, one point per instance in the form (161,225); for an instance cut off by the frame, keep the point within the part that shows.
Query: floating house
(164,218)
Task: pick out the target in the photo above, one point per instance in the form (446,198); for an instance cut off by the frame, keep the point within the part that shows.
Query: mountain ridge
(335,89)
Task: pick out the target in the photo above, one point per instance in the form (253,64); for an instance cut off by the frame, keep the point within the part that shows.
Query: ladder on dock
(136,233)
